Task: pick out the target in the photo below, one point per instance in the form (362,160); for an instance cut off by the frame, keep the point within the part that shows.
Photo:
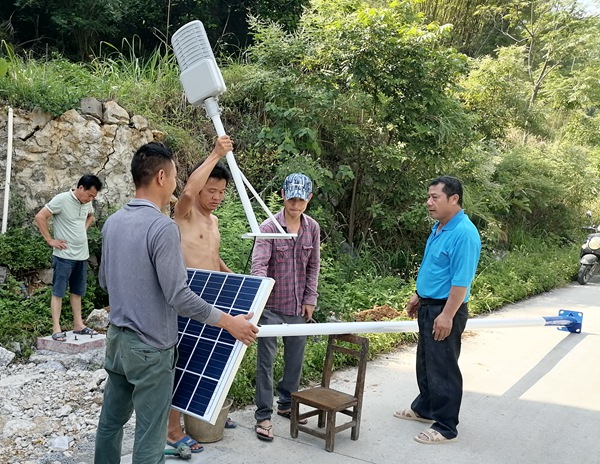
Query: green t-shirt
(68,218)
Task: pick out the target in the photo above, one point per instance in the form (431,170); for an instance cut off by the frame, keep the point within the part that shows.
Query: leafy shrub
(24,249)
(23,319)
(520,274)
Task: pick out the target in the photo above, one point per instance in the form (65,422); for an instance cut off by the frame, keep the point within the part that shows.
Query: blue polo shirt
(450,258)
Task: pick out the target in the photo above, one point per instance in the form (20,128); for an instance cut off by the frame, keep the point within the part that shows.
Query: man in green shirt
(71,213)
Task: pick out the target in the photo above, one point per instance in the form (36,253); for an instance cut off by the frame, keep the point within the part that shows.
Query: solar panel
(209,357)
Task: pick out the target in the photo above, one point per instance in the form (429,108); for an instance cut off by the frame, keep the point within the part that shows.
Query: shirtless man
(200,241)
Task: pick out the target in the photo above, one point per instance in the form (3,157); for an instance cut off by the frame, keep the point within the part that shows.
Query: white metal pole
(330,328)
(8,169)
(264,206)
(212,110)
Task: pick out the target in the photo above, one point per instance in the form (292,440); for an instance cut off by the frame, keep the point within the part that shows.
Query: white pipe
(328,328)
(8,169)
(212,111)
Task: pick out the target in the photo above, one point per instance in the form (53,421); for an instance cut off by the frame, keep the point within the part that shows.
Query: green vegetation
(372,100)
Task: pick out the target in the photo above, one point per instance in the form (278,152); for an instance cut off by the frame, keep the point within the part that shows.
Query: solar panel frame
(208,356)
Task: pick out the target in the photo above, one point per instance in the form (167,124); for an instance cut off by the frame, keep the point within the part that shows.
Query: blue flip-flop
(188,441)
(230,424)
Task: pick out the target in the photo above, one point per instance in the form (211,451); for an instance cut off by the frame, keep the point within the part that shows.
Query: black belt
(123,329)
(432,302)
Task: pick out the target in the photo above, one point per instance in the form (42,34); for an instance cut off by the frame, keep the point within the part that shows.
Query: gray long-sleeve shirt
(144,273)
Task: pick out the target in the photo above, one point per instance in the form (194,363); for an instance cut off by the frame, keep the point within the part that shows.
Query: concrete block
(74,343)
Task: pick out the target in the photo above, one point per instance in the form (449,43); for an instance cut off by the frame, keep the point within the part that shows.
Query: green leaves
(3,67)
(24,249)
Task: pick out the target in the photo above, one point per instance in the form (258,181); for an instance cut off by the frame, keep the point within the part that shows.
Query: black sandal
(288,415)
(59,337)
(85,331)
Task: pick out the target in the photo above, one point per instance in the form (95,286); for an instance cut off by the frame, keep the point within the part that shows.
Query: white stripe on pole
(329,328)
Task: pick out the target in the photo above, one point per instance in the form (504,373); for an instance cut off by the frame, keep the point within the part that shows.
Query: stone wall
(50,154)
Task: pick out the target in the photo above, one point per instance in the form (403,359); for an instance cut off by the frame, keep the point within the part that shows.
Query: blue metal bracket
(566,320)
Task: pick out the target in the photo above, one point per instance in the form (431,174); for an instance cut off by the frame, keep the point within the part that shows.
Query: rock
(61,443)
(91,106)
(17,426)
(97,319)
(15,347)
(93,260)
(159,136)
(114,114)
(97,378)
(64,411)
(139,122)
(50,154)
(45,275)
(51,366)
(44,400)
(6,357)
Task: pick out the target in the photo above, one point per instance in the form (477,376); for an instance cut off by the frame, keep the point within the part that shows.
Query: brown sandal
(262,436)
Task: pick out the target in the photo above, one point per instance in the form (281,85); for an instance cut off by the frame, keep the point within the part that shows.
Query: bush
(23,319)
(24,249)
(520,274)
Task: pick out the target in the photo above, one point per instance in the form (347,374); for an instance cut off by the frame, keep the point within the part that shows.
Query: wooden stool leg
(356,429)
(321,420)
(294,418)
(330,431)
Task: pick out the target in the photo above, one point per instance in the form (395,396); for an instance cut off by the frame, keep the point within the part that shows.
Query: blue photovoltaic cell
(208,357)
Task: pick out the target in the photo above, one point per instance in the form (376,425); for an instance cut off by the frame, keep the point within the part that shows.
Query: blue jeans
(140,378)
(438,374)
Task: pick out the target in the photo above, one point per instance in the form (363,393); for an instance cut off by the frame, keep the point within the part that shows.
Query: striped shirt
(293,263)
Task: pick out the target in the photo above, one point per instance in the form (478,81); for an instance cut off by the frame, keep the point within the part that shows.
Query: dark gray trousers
(438,374)
(293,358)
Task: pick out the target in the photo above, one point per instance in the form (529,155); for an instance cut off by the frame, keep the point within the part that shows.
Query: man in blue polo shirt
(440,303)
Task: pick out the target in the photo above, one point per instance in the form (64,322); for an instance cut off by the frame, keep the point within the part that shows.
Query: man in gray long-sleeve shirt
(143,271)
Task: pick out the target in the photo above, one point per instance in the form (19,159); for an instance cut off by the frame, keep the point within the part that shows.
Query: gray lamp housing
(200,76)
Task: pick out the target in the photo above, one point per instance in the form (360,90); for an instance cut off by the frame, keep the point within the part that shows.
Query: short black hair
(452,186)
(148,160)
(88,181)
(220,171)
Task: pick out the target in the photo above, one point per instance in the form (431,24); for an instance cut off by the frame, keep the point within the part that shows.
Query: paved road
(532,395)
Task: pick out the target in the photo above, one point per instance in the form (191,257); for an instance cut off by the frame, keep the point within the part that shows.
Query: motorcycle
(589,256)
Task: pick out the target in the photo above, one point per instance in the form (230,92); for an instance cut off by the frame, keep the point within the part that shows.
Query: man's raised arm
(197,180)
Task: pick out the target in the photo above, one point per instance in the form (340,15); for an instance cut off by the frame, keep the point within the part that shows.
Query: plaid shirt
(293,263)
